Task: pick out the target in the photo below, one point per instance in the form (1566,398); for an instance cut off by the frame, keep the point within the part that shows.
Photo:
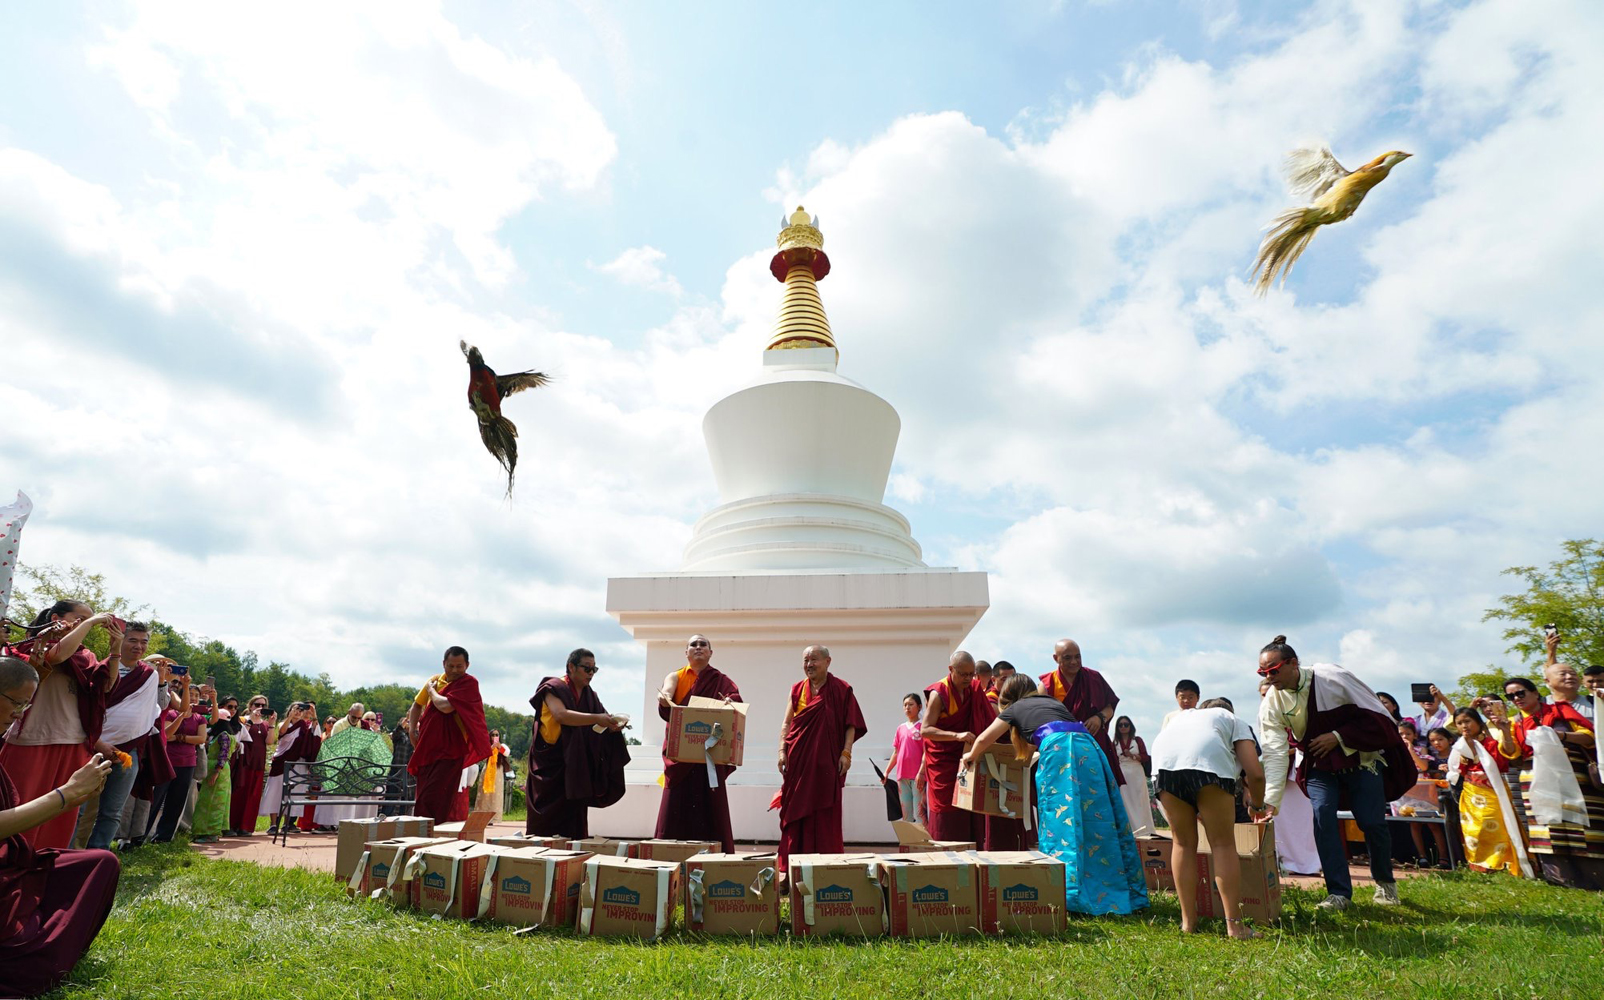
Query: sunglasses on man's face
(590,669)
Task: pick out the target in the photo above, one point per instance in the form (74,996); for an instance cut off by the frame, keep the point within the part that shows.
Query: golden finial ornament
(799,263)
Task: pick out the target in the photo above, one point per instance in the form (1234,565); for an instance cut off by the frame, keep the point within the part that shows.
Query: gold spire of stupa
(800,263)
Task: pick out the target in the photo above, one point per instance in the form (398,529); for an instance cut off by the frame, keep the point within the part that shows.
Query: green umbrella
(367,772)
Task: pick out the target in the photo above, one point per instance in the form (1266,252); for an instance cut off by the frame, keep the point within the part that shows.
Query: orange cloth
(683,685)
(488,786)
(806,695)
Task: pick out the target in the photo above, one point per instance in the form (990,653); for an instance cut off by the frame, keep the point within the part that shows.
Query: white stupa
(801,550)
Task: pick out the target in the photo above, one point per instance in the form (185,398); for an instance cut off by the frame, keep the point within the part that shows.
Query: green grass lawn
(186,926)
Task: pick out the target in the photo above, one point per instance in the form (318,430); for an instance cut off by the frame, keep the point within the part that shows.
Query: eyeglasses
(590,669)
(21,706)
(699,642)
(1272,669)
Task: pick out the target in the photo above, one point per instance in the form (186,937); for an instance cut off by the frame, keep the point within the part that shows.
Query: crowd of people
(128,749)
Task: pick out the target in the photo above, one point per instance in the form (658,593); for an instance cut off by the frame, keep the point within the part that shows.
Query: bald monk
(52,902)
(1087,696)
(952,709)
(571,766)
(448,731)
(690,809)
(822,721)
(1001,833)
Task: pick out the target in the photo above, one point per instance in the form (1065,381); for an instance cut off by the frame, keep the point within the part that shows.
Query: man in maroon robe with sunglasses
(572,766)
(449,734)
(822,721)
(691,809)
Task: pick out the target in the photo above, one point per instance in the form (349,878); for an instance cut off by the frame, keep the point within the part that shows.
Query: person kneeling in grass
(1197,759)
(52,902)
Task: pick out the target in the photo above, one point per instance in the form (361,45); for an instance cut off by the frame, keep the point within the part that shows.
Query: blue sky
(238,253)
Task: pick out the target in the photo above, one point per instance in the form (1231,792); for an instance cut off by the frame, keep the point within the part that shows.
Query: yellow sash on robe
(683,684)
(806,696)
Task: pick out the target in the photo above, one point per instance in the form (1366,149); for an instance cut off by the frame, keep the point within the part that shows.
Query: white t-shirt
(1203,739)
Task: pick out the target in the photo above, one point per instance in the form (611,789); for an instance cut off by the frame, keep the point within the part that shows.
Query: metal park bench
(342,781)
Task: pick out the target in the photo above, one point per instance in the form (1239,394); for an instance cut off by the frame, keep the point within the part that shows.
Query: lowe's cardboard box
(670,850)
(1021,892)
(1261,881)
(356,833)
(383,874)
(528,840)
(532,887)
(931,894)
(913,839)
(732,894)
(446,877)
(702,723)
(603,846)
(626,897)
(998,784)
(837,894)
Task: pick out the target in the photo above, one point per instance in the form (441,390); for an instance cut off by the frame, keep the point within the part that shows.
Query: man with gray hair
(352,719)
(822,721)
(953,708)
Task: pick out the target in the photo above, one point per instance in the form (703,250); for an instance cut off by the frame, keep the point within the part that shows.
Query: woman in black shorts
(1196,760)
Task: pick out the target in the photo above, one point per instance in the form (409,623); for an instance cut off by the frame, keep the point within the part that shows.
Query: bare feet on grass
(1240,931)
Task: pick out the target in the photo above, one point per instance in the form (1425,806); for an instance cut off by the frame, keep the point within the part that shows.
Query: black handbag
(893,793)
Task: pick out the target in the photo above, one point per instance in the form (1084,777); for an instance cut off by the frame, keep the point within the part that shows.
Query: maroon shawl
(1085,696)
(1360,729)
(23,870)
(583,766)
(813,744)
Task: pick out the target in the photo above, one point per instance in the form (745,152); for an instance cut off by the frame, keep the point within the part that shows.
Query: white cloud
(642,267)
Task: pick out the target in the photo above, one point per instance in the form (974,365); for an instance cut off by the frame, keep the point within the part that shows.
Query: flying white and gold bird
(1334,194)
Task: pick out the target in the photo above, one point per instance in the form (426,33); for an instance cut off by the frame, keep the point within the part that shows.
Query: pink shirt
(908,746)
(179,753)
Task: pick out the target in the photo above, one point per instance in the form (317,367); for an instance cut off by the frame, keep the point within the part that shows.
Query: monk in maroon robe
(952,710)
(449,734)
(822,721)
(1087,696)
(691,810)
(571,766)
(52,902)
(1000,832)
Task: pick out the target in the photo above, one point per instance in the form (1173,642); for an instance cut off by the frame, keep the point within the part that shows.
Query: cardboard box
(732,894)
(356,834)
(384,868)
(472,828)
(526,840)
(625,897)
(705,722)
(1261,879)
(1021,892)
(671,850)
(603,846)
(912,839)
(998,785)
(837,894)
(446,878)
(931,894)
(532,887)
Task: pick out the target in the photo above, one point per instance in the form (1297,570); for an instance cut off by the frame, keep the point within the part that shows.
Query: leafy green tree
(1568,593)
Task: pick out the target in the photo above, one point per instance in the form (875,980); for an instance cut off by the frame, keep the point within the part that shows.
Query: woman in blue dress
(1080,814)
